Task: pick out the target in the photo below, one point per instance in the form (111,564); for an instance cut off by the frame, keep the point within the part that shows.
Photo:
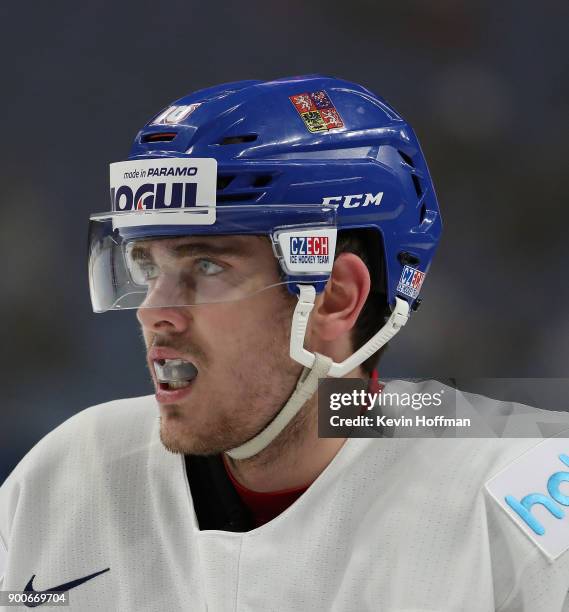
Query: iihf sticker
(317,111)
(410,282)
(309,249)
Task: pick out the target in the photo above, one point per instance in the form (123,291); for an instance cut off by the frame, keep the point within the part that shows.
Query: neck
(295,458)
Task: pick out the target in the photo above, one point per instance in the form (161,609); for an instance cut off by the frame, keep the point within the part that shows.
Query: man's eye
(208,268)
(147,271)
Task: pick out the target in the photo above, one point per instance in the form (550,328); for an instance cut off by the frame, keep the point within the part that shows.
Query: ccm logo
(353,201)
(523,506)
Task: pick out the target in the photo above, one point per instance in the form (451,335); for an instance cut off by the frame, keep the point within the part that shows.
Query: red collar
(267,505)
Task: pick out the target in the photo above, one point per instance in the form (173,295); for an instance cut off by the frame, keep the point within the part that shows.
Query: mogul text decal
(185,187)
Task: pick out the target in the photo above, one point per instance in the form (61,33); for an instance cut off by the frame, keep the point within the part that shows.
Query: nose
(173,319)
(155,314)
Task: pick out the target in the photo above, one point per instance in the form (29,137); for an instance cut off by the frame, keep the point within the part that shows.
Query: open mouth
(174,374)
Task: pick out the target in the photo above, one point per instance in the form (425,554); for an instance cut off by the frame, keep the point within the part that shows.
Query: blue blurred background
(485,85)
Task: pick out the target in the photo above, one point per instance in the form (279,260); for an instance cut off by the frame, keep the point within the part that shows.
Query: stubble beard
(262,380)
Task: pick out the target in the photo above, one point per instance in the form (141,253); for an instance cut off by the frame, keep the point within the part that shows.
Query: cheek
(252,327)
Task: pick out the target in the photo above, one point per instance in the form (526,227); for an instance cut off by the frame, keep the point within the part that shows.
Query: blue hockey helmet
(296,159)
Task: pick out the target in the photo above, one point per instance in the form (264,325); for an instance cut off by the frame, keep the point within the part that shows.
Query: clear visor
(157,259)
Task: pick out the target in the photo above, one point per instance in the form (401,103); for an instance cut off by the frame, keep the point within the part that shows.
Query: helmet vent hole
(406,159)
(229,140)
(262,180)
(237,197)
(423,213)
(224,181)
(159,137)
(408,259)
(417,185)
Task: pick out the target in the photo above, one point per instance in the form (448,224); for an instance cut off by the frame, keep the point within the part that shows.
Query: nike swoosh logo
(66,586)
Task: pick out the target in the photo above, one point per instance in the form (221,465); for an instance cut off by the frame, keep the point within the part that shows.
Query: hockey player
(270,234)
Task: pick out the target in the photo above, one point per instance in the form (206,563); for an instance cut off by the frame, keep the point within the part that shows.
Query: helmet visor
(157,259)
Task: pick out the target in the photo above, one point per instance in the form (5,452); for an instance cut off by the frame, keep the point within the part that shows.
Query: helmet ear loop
(306,297)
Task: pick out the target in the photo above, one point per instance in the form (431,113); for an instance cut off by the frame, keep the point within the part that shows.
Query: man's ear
(337,308)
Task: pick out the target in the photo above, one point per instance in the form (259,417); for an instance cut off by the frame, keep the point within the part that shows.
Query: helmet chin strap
(305,388)
(316,366)
(306,298)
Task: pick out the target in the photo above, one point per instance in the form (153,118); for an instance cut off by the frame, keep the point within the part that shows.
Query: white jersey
(390,525)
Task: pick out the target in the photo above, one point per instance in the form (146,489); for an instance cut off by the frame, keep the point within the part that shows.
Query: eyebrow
(190,249)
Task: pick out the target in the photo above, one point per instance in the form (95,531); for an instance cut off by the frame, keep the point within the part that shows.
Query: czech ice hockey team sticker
(307,250)
(317,111)
(410,282)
